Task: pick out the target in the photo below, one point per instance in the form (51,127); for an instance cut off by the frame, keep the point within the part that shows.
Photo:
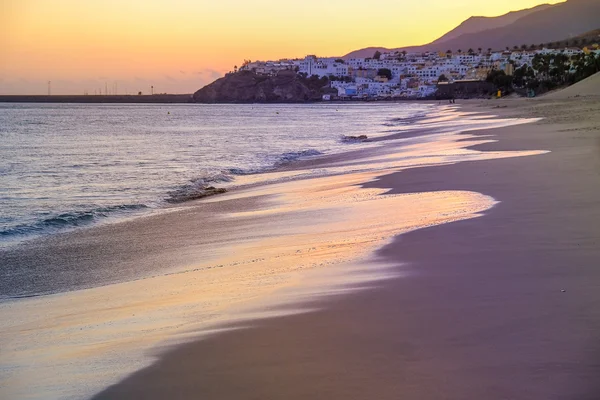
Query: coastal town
(399,74)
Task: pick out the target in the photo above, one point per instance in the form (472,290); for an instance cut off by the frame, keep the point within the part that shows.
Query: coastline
(143,241)
(503,306)
(298,202)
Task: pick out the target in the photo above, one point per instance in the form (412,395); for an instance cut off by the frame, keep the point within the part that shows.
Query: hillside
(249,87)
(579,40)
(543,25)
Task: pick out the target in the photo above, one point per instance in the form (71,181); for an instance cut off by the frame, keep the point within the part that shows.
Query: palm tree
(459,51)
(489,50)
(515,47)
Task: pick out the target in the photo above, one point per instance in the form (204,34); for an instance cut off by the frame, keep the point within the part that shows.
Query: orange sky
(180,45)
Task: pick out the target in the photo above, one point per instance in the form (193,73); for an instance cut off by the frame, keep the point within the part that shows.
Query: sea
(68,166)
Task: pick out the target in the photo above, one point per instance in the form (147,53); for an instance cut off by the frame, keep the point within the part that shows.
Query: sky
(178,46)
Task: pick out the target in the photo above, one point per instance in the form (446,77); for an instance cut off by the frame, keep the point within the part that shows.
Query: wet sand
(505,306)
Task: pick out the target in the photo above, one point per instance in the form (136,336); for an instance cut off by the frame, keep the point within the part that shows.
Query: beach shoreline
(502,306)
(114,232)
(445,195)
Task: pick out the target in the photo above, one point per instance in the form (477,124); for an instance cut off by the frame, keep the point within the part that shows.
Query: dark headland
(250,87)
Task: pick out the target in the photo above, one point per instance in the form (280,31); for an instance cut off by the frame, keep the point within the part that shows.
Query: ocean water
(64,166)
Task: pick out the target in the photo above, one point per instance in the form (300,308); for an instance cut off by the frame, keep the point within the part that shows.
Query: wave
(406,121)
(191,192)
(241,171)
(277,161)
(203,186)
(69,220)
(289,157)
(354,139)
(213,177)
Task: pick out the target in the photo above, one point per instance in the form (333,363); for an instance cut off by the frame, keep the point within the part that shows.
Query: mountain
(539,25)
(471,25)
(479,24)
(249,87)
(564,20)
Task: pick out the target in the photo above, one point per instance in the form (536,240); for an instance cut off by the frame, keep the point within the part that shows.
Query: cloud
(182,72)
(170,78)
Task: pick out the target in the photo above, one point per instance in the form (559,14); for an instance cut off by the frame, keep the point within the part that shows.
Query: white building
(311,65)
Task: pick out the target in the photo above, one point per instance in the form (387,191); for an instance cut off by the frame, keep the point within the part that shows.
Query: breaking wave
(287,158)
(69,220)
(405,120)
(204,185)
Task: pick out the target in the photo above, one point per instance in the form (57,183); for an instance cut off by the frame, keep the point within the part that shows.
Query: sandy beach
(300,201)
(438,265)
(504,306)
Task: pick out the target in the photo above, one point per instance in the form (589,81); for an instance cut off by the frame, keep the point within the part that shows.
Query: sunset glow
(178,46)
